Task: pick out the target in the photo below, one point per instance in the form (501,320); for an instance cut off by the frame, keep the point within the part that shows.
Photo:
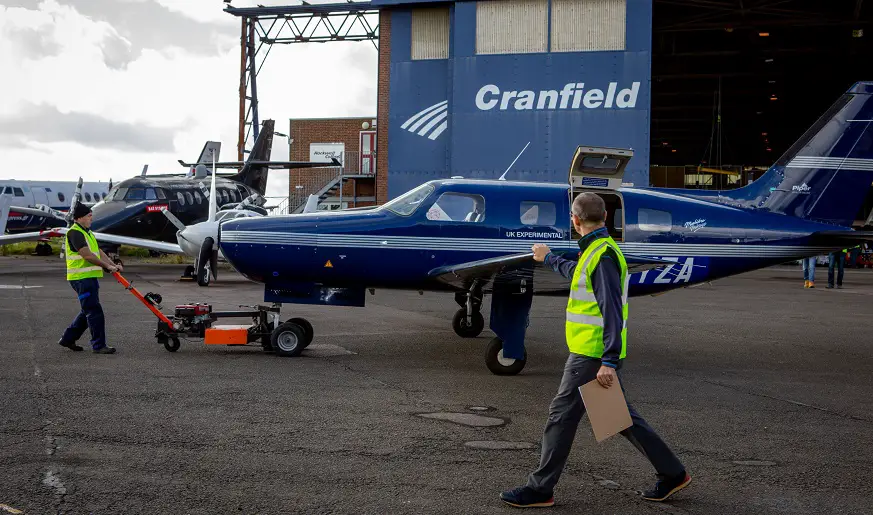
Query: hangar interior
(733,82)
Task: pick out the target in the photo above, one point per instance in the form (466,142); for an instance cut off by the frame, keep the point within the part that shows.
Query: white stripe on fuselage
(508,246)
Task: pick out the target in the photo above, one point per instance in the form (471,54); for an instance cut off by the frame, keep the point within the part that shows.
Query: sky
(99,88)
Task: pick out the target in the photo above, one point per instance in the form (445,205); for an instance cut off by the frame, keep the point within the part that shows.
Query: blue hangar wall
(481,132)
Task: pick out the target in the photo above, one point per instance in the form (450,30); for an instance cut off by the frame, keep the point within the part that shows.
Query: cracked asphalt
(761,387)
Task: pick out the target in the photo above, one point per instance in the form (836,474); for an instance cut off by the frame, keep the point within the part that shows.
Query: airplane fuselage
(55,194)
(397,245)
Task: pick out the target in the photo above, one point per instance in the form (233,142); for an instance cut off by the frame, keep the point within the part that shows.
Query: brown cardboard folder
(607,409)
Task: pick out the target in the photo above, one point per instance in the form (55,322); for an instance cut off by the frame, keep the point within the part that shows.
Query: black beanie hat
(80,211)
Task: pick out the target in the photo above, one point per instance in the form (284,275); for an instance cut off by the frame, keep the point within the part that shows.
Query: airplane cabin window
(198,197)
(654,220)
(538,213)
(181,198)
(161,194)
(458,207)
(18,192)
(150,194)
(87,197)
(189,197)
(61,197)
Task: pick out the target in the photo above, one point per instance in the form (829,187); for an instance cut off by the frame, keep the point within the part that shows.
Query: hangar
(708,93)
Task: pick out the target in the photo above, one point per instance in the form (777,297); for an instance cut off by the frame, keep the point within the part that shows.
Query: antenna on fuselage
(503,177)
(145,168)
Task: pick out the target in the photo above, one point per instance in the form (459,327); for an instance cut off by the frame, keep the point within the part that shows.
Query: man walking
(85,264)
(596,335)
(836,259)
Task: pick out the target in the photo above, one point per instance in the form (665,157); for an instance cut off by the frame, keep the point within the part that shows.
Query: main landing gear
(468,321)
(500,365)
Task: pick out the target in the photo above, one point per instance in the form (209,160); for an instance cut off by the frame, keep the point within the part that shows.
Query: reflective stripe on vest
(79,268)
(584,324)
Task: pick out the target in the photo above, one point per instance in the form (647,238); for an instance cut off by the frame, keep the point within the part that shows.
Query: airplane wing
(159,246)
(36,212)
(7,239)
(838,238)
(513,269)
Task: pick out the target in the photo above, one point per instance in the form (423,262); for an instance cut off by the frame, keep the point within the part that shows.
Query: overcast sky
(98,88)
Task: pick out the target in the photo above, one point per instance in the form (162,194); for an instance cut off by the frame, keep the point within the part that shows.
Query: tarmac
(762,388)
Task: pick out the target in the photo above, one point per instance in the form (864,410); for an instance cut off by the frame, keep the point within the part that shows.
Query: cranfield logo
(432,121)
(803,188)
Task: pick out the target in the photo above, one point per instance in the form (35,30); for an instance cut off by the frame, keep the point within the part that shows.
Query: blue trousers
(91,315)
(565,413)
(808,268)
(836,259)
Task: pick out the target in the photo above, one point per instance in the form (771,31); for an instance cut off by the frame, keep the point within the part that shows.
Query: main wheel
(308,331)
(203,261)
(172,345)
(499,365)
(43,249)
(190,271)
(288,339)
(465,328)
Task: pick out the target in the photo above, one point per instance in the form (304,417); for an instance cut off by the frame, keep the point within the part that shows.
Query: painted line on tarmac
(10,509)
(16,287)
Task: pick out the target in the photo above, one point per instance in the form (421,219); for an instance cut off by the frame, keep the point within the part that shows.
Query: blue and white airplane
(474,236)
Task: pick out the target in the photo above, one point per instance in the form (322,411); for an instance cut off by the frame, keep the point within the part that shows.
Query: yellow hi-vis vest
(584,326)
(77,267)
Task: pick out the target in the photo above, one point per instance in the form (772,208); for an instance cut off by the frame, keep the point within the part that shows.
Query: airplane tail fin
(826,175)
(255,175)
(206,155)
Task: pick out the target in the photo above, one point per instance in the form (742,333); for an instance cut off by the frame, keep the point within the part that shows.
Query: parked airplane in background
(474,236)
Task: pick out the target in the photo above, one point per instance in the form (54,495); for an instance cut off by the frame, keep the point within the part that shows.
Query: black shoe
(526,497)
(71,346)
(667,487)
(104,350)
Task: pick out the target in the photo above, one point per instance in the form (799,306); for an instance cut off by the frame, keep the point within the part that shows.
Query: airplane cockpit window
(221,215)
(160,193)
(538,213)
(61,197)
(6,190)
(654,220)
(407,203)
(150,194)
(181,198)
(458,207)
(18,192)
(135,194)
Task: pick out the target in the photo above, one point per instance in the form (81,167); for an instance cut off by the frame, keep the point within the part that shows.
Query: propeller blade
(213,198)
(5,202)
(172,218)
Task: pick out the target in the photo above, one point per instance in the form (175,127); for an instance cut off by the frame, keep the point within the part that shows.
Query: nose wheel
(468,327)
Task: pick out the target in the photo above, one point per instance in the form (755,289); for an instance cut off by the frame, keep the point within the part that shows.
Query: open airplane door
(601,170)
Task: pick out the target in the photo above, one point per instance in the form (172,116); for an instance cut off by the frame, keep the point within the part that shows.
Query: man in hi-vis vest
(596,332)
(85,264)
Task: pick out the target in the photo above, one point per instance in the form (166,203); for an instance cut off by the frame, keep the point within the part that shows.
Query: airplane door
(598,168)
(465,217)
(40,196)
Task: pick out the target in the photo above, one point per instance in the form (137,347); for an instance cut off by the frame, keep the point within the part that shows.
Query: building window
(458,207)
(588,25)
(538,213)
(654,221)
(430,33)
(512,27)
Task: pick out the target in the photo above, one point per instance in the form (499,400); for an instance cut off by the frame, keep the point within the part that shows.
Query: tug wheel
(288,339)
(308,331)
(499,365)
(172,345)
(468,329)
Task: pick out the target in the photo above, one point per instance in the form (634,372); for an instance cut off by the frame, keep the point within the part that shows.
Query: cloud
(45,124)
(35,42)
(118,52)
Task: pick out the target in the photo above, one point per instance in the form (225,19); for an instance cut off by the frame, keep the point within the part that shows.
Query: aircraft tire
(497,364)
(190,271)
(205,255)
(172,345)
(465,330)
(288,339)
(308,331)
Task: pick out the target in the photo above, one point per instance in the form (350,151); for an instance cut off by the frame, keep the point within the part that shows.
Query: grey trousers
(565,413)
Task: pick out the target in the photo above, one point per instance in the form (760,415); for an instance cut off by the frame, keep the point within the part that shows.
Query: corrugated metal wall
(512,26)
(587,25)
(430,33)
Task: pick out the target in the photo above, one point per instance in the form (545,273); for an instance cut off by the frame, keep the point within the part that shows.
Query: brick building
(353,142)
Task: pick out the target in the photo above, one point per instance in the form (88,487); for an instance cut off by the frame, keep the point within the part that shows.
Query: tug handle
(124,282)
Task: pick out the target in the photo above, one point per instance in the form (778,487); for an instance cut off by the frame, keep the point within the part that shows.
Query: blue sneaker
(526,497)
(664,488)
